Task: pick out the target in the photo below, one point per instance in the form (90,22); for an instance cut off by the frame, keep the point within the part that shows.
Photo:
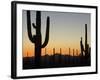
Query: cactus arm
(31,38)
(47,34)
(34,26)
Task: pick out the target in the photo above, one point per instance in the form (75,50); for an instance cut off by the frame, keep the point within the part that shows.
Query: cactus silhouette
(54,55)
(86,50)
(73,52)
(82,47)
(60,55)
(36,39)
(86,44)
(60,51)
(53,51)
(69,51)
(77,52)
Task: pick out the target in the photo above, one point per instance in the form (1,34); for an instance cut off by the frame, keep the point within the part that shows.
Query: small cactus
(73,52)
(53,51)
(69,51)
(82,47)
(60,51)
(77,52)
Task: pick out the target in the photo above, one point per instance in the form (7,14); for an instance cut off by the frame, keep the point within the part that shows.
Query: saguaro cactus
(86,50)
(36,39)
(82,47)
(86,45)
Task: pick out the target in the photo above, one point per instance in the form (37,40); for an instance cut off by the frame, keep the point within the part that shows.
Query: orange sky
(28,47)
(29,51)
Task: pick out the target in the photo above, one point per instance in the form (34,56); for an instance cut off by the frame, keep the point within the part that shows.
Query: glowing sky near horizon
(66,28)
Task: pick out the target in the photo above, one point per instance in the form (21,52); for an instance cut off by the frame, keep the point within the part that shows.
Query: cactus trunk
(86,45)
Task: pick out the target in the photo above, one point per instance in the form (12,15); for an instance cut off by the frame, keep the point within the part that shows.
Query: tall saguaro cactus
(86,48)
(37,39)
(86,45)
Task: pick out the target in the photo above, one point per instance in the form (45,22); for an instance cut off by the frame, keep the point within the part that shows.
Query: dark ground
(56,61)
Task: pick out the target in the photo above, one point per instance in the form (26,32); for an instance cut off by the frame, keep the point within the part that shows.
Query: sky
(66,29)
